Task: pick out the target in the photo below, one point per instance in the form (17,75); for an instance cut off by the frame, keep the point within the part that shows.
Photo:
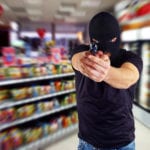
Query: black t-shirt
(105,113)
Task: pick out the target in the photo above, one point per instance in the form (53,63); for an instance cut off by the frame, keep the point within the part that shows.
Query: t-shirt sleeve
(135,59)
(79,48)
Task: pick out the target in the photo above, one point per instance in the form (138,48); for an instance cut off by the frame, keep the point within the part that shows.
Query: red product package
(9,56)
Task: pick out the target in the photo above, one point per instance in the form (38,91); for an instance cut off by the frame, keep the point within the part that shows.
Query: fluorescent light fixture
(90,3)
(78,14)
(5,7)
(34,2)
(70,20)
(66,9)
(57,16)
(34,12)
(34,18)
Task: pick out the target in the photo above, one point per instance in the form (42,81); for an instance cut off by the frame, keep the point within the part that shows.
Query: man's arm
(122,77)
(99,69)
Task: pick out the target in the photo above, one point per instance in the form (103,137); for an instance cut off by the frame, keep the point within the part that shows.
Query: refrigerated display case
(135,37)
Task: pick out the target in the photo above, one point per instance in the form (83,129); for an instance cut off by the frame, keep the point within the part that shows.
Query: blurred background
(37,91)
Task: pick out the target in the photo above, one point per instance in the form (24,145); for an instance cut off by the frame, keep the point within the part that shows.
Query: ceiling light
(34,18)
(79,14)
(70,20)
(33,2)
(89,3)
(66,9)
(34,12)
(57,16)
(5,7)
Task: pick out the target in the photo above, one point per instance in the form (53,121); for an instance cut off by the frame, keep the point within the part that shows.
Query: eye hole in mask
(96,45)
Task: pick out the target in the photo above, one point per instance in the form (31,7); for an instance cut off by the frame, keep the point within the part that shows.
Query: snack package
(4,94)
(5,141)
(36,90)
(25,111)
(13,73)
(25,71)
(17,137)
(19,94)
(7,115)
(2,73)
(51,69)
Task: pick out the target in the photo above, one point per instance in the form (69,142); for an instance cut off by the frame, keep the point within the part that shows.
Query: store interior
(37,85)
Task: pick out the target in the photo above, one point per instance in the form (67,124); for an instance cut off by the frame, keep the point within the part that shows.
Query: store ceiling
(74,11)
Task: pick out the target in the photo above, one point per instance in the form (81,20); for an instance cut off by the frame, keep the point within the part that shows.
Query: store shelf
(15,103)
(16,81)
(40,144)
(136,23)
(36,116)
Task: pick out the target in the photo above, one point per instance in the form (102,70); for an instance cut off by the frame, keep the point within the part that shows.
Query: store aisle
(70,142)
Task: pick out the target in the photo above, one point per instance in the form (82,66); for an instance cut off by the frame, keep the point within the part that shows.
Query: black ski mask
(104,34)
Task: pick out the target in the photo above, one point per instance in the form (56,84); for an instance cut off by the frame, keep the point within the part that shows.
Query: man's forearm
(122,77)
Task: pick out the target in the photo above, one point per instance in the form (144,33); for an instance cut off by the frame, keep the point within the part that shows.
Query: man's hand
(95,67)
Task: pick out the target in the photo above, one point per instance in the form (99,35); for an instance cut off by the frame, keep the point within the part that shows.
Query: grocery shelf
(46,141)
(36,116)
(25,101)
(25,80)
(136,23)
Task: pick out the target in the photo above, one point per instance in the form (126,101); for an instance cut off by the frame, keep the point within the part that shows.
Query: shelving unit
(12,103)
(36,116)
(40,144)
(136,37)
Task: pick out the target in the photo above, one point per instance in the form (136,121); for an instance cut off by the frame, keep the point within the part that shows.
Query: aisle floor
(71,142)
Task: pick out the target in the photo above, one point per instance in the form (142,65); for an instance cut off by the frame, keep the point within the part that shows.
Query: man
(105,87)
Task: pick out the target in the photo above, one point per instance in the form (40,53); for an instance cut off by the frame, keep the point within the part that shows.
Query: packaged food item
(3,115)
(19,94)
(40,107)
(51,69)
(7,115)
(52,87)
(59,68)
(66,121)
(43,70)
(25,71)
(25,111)
(46,129)
(11,114)
(58,86)
(17,137)
(36,70)
(13,73)
(36,90)
(4,94)
(2,73)
(53,126)
(56,103)
(48,105)
(74,117)
(5,141)
(45,89)
(32,134)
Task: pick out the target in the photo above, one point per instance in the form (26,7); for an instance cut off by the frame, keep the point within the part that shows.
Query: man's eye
(113,40)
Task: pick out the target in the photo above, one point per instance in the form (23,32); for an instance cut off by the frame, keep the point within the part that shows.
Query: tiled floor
(71,142)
